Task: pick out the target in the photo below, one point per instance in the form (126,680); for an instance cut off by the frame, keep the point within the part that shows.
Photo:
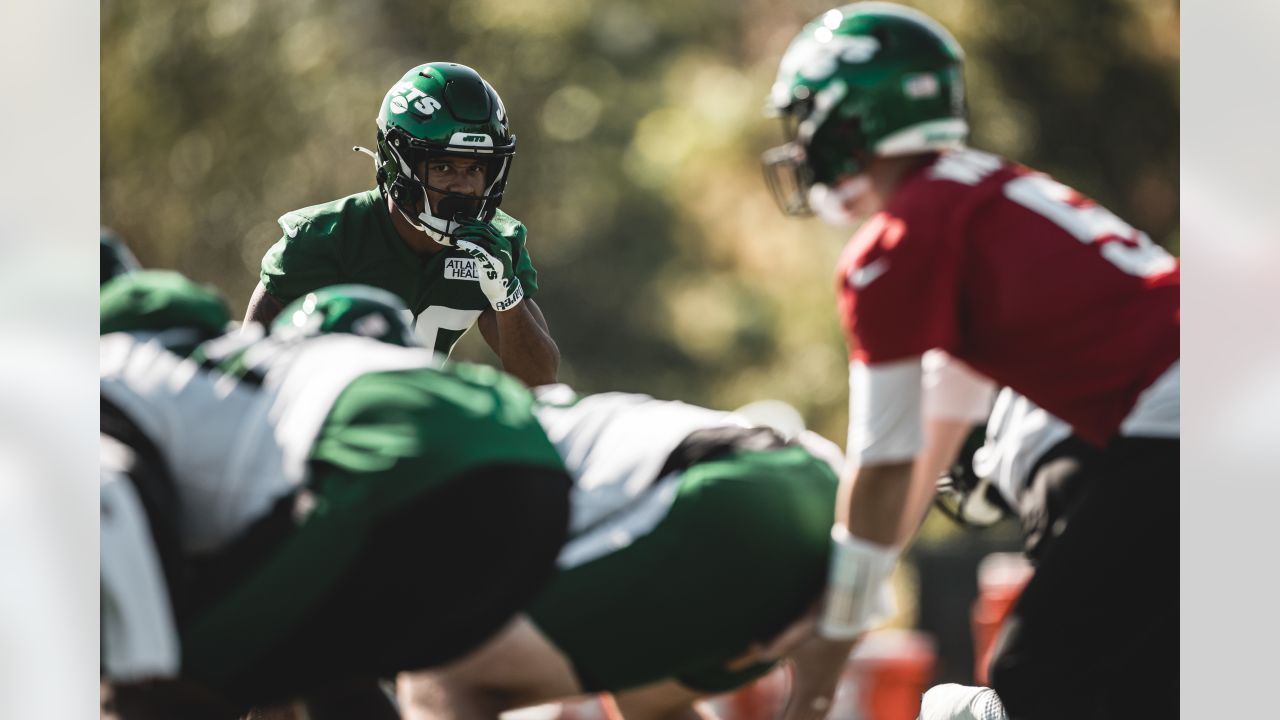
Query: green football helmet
(179,311)
(116,258)
(864,80)
(355,309)
(439,109)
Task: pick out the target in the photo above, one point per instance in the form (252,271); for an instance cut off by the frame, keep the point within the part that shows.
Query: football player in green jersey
(666,496)
(319,507)
(431,232)
(698,544)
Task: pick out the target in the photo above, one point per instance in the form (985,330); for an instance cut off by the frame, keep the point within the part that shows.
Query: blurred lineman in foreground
(431,232)
(697,546)
(280,513)
(1032,285)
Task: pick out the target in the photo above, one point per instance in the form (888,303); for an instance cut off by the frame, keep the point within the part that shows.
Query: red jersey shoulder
(930,206)
(898,279)
(900,275)
(955,181)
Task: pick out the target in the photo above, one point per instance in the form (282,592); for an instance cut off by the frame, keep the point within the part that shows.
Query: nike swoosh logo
(867,274)
(291,230)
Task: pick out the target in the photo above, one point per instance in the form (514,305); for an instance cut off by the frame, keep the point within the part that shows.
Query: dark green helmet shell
(355,309)
(161,301)
(869,79)
(447,106)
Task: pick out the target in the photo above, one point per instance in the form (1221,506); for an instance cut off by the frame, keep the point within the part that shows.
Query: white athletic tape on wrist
(857,595)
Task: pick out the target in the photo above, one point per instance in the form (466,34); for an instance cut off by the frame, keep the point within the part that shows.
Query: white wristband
(855,585)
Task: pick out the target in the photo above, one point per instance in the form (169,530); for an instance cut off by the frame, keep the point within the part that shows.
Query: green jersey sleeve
(515,231)
(302,260)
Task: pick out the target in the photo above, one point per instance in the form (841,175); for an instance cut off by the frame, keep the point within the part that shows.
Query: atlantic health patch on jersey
(461,269)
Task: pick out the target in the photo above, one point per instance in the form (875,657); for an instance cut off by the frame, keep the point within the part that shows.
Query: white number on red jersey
(1119,243)
(967,167)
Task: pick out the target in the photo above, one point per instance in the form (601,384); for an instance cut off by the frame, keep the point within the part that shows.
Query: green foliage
(665,267)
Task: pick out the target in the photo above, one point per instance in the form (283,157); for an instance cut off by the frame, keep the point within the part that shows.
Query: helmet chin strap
(415,223)
(421,227)
(437,235)
(839,205)
(449,207)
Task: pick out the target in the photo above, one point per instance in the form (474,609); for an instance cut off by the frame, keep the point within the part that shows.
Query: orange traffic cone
(888,672)
(1001,577)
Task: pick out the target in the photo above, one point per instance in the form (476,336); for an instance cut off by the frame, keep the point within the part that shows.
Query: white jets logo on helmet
(423,103)
(820,61)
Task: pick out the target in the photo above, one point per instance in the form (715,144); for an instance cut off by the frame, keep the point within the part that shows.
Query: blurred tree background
(665,267)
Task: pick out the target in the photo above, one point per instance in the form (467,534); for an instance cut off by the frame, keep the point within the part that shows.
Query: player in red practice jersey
(1021,278)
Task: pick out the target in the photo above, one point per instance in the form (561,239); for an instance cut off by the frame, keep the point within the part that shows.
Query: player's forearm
(434,696)
(663,700)
(942,441)
(525,348)
(873,500)
(688,712)
(263,307)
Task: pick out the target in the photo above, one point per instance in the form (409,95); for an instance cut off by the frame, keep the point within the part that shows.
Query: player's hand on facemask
(497,261)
